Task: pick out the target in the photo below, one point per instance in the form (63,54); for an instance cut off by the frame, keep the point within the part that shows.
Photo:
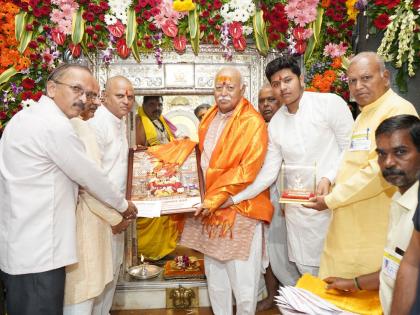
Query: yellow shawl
(360,302)
(235,162)
(149,128)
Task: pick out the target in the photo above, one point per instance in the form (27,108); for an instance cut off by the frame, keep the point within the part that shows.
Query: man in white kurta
(111,134)
(95,223)
(42,164)
(311,128)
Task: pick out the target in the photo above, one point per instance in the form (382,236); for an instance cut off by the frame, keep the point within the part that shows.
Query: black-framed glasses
(79,90)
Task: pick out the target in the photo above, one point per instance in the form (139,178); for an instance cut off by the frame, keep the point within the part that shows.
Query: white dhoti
(83,308)
(238,276)
(103,302)
(284,270)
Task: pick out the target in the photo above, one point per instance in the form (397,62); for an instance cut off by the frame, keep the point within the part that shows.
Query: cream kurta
(400,229)
(361,199)
(87,278)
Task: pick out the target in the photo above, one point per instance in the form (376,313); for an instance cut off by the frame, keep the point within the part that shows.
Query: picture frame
(153,184)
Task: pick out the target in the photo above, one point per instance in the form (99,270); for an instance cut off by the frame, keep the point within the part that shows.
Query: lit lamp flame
(141,258)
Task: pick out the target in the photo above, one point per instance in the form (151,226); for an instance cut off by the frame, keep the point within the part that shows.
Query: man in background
(111,135)
(201,110)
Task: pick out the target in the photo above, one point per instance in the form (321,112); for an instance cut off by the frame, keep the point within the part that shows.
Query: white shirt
(399,235)
(42,161)
(318,132)
(111,136)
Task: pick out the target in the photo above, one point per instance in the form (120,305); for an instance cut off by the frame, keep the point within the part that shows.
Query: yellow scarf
(360,302)
(149,128)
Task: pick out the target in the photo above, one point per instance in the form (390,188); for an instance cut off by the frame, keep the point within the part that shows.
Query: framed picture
(159,188)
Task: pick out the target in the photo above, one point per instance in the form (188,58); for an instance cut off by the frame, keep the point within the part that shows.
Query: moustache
(81,105)
(392,172)
(223,98)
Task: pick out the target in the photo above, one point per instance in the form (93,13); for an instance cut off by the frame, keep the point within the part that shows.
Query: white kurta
(42,161)
(111,136)
(318,132)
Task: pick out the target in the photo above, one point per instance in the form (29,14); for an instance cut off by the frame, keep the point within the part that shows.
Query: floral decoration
(399,20)
(50,31)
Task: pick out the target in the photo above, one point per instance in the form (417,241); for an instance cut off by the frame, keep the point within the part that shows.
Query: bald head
(228,88)
(267,103)
(368,78)
(119,96)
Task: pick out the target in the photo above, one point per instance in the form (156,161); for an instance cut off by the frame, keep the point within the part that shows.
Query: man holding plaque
(311,128)
(42,164)
(111,135)
(233,143)
(361,197)
(280,268)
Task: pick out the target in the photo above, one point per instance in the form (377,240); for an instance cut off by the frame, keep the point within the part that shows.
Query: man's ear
(302,80)
(243,89)
(51,89)
(387,77)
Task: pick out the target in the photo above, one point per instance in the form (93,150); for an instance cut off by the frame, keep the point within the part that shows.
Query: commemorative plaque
(297,183)
(157,187)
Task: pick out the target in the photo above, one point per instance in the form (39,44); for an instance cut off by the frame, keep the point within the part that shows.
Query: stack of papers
(293,300)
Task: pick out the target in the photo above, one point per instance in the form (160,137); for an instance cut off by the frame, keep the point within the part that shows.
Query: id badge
(360,141)
(391,263)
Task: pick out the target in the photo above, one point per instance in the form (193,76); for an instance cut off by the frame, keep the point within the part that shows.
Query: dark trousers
(34,293)
(2,306)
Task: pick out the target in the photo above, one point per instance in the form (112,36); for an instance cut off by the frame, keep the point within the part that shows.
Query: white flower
(27,103)
(247,30)
(110,19)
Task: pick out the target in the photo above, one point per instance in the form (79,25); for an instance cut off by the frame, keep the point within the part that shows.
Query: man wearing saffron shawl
(156,237)
(233,142)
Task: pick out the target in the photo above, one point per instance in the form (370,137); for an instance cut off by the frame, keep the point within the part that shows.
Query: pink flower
(335,50)
(56,15)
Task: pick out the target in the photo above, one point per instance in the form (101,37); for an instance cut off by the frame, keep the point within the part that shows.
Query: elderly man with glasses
(42,165)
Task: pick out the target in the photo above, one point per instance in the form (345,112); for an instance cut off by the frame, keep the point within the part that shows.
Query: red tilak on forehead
(222,79)
(279,78)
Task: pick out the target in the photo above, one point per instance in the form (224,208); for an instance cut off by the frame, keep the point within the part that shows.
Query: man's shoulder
(396,104)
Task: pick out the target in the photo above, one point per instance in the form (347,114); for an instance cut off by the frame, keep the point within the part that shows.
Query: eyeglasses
(90,96)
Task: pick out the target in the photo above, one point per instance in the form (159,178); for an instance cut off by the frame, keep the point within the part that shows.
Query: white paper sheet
(148,209)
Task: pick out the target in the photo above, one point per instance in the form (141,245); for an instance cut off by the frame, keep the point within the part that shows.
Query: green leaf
(20,24)
(131,31)
(24,41)
(309,49)
(193,23)
(6,75)
(135,50)
(318,23)
(78,27)
(260,33)
(194,26)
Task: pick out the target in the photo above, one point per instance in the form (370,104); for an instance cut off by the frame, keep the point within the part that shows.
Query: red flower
(180,42)
(281,45)
(235,30)
(28,84)
(58,37)
(104,5)
(89,16)
(37,96)
(298,33)
(300,46)
(148,45)
(3,115)
(381,21)
(152,27)
(122,49)
(27,95)
(117,29)
(75,50)
(416,4)
(217,4)
(239,43)
(169,28)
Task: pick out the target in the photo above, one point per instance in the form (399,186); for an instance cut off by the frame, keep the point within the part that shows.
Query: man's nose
(389,161)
